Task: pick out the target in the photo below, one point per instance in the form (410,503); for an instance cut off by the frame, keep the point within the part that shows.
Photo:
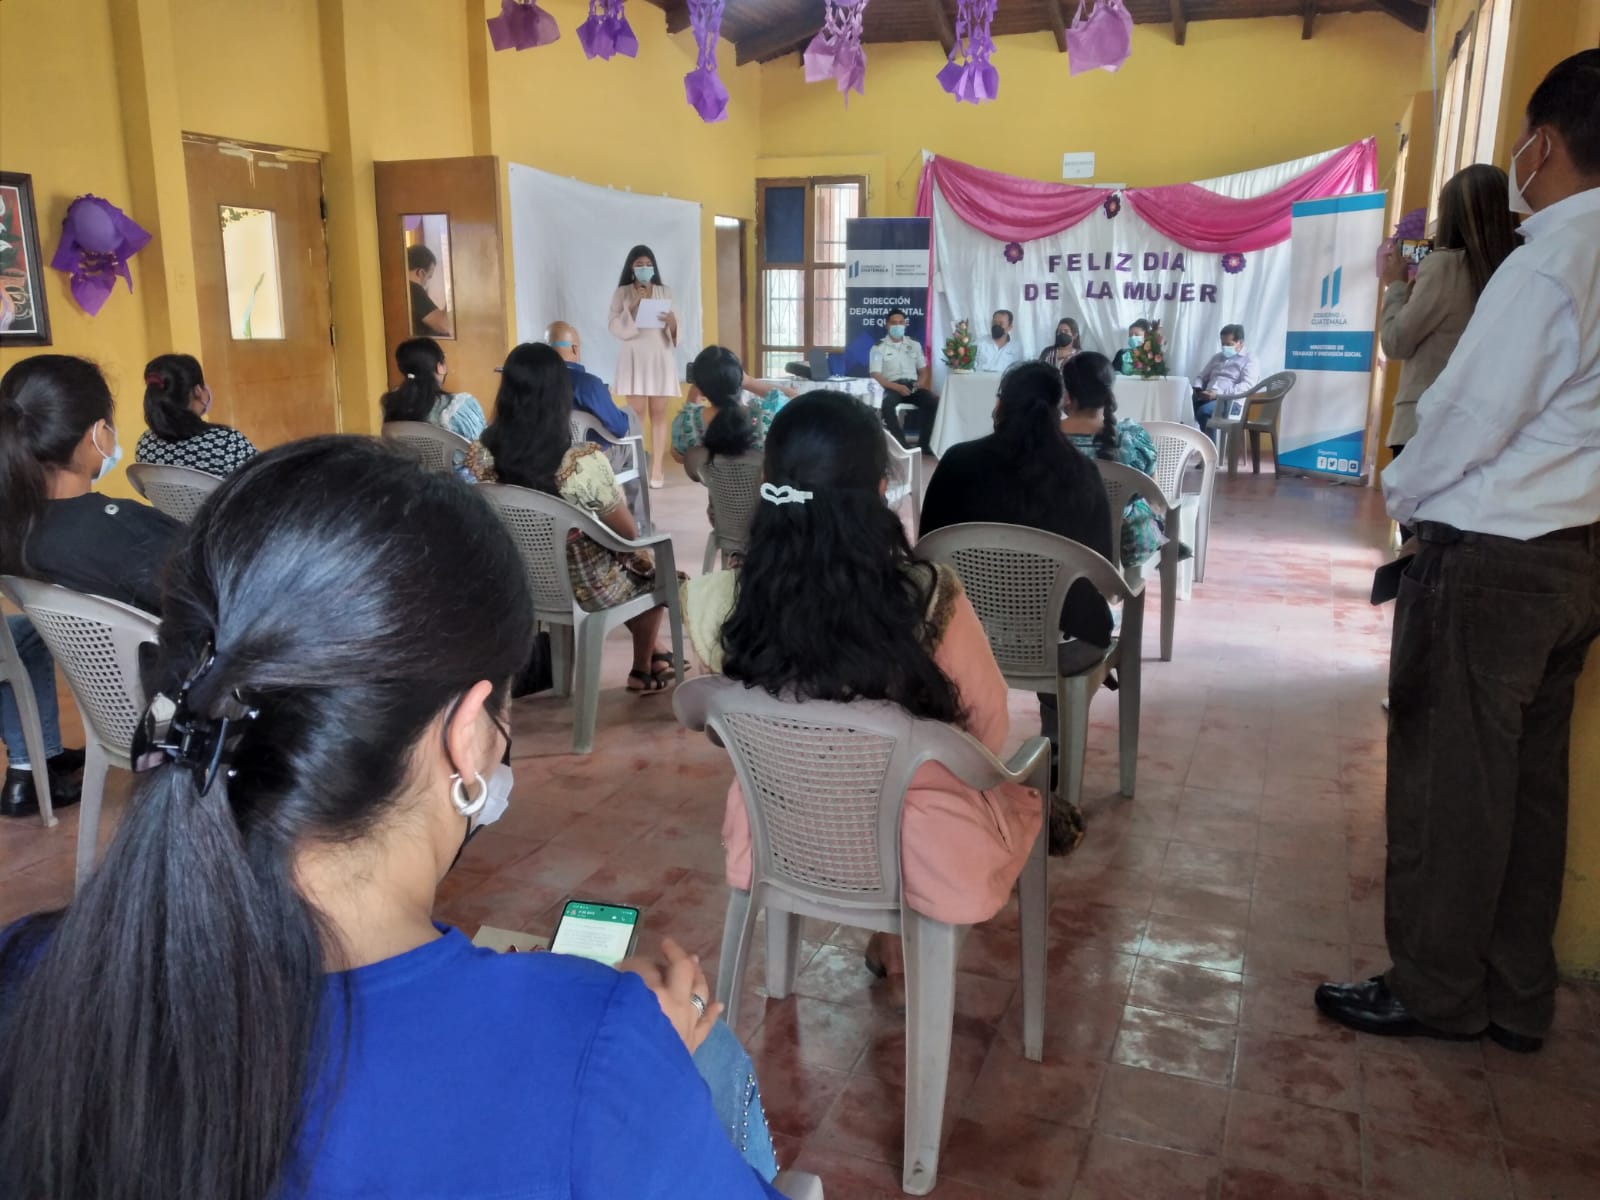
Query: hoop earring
(458,796)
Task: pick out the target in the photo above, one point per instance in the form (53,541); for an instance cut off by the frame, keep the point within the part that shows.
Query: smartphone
(604,932)
(1414,250)
(1386,580)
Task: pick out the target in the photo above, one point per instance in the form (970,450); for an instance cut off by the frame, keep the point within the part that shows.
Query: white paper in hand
(650,313)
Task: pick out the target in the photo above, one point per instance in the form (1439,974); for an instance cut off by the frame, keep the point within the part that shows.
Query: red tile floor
(1183,1056)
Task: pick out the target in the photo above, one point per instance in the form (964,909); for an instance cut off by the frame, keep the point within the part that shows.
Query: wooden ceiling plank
(783,36)
(678,17)
(1058,24)
(942,32)
(1180,22)
(1308,23)
(1412,16)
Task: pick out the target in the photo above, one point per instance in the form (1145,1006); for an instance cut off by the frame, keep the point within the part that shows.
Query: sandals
(649,685)
(669,672)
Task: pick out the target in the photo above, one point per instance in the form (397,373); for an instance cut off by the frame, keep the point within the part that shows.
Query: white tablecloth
(1144,400)
(866,390)
(966,409)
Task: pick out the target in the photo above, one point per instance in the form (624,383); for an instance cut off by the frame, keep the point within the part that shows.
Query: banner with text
(887,268)
(1333,306)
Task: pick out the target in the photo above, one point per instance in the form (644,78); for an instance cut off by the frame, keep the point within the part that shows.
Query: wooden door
(452,206)
(730,285)
(261,274)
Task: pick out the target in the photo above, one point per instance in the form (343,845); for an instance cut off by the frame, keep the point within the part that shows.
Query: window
(1452,107)
(800,242)
(250,267)
(1469,95)
(1495,20)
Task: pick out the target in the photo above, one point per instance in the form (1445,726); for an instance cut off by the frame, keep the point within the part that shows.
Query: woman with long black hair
(176,404)
(717,415)
(647,365)
(249,999)
(1092,426)
(529,444)
(831,605)
(420,395)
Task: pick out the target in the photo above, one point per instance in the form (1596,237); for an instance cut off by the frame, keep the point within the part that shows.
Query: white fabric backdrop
(973,278)
(568,242)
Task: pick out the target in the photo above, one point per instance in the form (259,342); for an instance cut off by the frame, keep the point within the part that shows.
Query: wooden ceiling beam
(1180,22)
(1412,15)
(783,36)
(942,31)
(678,17)
(1308,22)
(1058,24)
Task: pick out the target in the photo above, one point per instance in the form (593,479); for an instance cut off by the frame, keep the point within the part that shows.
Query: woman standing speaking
(647,372)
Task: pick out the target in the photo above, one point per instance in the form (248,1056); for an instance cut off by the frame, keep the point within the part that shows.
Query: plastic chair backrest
(1017,580)
(1176,444)
(177,491)
(902,471)
(434,448)
(1266,398)
(96,643)
(1124,485)
(734,481)
(540,524)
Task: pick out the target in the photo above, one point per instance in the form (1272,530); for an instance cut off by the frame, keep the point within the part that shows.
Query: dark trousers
(927,406)
(1490,635)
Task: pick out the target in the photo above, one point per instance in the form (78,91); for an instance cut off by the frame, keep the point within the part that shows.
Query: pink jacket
(961,850)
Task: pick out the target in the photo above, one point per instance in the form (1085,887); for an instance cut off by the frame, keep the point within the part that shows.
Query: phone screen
(1414,250)
(603,932)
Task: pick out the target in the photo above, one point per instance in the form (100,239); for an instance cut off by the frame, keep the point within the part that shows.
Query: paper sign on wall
(1078,165)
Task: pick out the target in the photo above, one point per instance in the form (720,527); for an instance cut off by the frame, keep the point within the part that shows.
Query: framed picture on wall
(24,317)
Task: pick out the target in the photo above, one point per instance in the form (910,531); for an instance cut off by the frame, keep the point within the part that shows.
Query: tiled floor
(1183,1057)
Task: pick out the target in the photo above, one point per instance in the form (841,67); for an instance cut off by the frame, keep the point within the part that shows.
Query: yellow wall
(1238,95)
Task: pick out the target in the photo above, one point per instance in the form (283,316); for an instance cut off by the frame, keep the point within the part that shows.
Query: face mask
(1517,196)
(1229,351)
(496,802)
(897,332)
(1134,341)
(108,462)
(562,345)
(997,332)
(644,274)
(1063,340)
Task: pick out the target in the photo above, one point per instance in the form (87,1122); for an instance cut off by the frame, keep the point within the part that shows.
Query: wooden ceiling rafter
(1058,24)
(1180,22)
(780,39)
(1308,20)
(1412,15)
(942,32)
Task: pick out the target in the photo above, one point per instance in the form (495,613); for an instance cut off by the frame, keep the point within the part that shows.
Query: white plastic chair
(824,784)
(540,525)
(14,672)
(177,491)
(1017,579)
(734,483)
(96,643)
(905,478)
(1176,444)
(583,424)
(1263,410)
(797,1185)
(436,449)
(1123,486)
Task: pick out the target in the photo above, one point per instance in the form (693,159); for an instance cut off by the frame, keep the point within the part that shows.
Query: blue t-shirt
(590,393)
(534,1076)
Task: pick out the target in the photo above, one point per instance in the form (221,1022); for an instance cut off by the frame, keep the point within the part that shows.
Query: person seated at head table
(58,440)
(529,444)
(426,316)
(421,395)
(1027,473)
(900,367)
(176,401)
(1067,342)
(1092,426)
(830,605)
(312,769)
(1138,334)
(999,350)
(1232,371)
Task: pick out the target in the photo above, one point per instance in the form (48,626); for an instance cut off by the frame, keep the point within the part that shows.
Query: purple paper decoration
(1013,252)
(702,86)
(97,239)
(836,53)
(607,31)
(1233,262)
(522,25)
(969,76)
(1113,205)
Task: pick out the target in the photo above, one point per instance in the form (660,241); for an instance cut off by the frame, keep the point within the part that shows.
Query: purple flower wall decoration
(836,53)
(1013,252)
(1113,205)
(522,25)
(607,31)
(1233,262)
(703,86)
(969,76)
(97,240)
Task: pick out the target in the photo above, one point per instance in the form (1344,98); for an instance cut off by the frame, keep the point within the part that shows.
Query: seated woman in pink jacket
(830,605)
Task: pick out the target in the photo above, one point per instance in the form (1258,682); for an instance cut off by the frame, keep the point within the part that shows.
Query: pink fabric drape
(1013,209)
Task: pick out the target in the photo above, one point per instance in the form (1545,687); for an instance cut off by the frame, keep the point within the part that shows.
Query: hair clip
(154,380)
(784,494)
(170,731)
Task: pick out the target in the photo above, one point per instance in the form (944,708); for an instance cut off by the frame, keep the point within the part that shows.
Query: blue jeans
(731,1076)
(35,656)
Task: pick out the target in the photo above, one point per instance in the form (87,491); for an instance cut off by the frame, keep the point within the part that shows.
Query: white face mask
(497,798)
(107,461)
(1517,197)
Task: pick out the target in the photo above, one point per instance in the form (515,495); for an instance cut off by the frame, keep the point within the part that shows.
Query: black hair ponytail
(719,375)
(170,381)
(1090,382)
(419,359)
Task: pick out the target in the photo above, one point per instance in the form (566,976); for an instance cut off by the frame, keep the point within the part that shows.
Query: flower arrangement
(1150,356)
(960,352)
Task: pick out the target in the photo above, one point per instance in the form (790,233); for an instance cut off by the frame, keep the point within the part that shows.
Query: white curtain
(1247,185)
(568,244)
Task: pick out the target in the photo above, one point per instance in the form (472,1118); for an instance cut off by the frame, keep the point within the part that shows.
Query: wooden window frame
(807,267)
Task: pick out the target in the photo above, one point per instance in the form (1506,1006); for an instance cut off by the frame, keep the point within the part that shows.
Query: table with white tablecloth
(1145,400)
(868,391)
(966,409)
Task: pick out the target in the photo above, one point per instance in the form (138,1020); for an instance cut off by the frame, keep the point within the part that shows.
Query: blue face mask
(897,332)
(644,274)
(1229,351)
(1134,341)
(562,345)
(108,462)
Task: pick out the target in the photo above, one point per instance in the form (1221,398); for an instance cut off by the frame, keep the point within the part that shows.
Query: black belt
(1441,534)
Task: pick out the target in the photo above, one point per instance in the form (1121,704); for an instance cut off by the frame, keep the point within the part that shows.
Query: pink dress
(961,850)
(647,364)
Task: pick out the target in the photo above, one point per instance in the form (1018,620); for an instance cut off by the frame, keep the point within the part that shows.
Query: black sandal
(661,656)
(653,684)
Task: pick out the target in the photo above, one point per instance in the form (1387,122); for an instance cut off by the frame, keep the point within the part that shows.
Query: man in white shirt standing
(1496,613)
(1000,350)
(1232,371)
(901,369)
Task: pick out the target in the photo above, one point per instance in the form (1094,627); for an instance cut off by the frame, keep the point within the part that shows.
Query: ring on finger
(699,1002)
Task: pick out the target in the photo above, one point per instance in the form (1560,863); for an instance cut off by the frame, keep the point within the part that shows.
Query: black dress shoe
(1370,1007)
(1517,1043)
(20,798)
(68,762)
